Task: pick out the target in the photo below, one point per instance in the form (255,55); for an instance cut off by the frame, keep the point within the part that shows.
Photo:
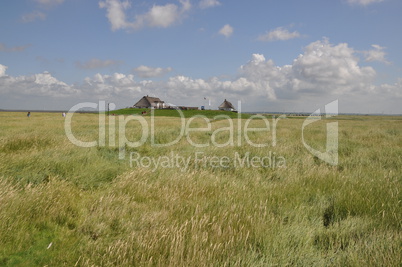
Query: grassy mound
(174,113)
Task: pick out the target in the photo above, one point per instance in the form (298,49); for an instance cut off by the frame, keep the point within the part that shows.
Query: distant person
(63,114)
(29,114)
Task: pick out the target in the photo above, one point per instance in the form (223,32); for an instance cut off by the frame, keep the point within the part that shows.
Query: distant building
(227,106)
(150,102)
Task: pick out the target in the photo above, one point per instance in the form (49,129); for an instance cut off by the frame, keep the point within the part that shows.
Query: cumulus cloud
(45,85)
(115,13)
(331,68)
(97,63)
(363,2)
(279,34)
(3,70)
(149,72)
(391,89)
(117,84)
(208,3)
(226,30)
(322,71)
(42,84)
(160,16)
(377,54)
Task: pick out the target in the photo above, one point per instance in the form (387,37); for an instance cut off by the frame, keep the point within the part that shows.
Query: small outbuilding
(227,106)
(150,102)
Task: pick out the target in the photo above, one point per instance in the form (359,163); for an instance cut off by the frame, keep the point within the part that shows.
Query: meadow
(64,205)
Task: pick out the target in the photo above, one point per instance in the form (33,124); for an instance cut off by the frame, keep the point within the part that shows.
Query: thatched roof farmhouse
(150,102)
(226,105)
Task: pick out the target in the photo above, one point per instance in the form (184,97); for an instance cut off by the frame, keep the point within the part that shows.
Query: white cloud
(363,2)
(3,70)
(97,63)
(161,16)
(226,30)
(42,84)
(391,89)
(279,34)
(106,86)
(377,54)
(45,85)
(149,72)
(327,68)
(208,3)
(323,71)
(115,13)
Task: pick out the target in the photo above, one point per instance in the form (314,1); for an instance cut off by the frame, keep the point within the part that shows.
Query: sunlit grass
(65,205)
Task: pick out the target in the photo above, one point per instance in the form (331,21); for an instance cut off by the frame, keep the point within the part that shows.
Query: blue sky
(272,55)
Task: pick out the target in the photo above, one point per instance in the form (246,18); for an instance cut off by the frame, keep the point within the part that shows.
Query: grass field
(63,205)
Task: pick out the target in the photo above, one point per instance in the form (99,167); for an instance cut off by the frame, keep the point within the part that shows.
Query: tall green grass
(65,205)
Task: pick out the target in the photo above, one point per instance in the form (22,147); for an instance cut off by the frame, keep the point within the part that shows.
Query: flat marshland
(210,199)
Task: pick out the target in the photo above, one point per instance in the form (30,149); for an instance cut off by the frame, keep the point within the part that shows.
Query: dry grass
(95,210)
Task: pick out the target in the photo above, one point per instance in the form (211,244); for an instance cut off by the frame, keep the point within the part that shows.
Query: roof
(147,101)
(151,99)
(226,104)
